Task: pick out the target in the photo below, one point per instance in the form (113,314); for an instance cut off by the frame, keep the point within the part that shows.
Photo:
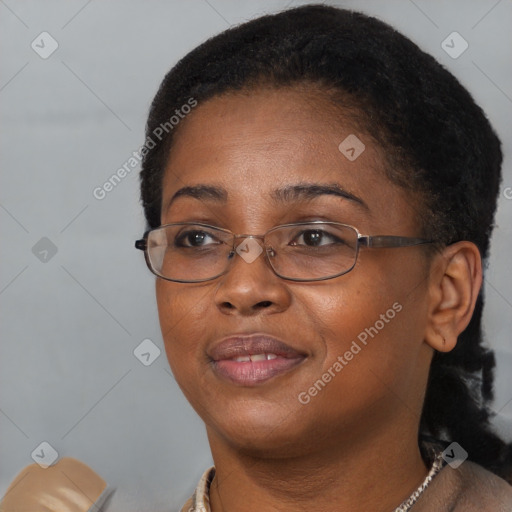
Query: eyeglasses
(304,251)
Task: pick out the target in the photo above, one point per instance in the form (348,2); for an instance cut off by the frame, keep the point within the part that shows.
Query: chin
(265,446)
(261,434)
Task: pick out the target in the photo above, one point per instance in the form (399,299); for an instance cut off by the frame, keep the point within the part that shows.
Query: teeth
(254,358)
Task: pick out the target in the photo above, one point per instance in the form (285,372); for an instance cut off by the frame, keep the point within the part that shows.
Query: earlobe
(454,285)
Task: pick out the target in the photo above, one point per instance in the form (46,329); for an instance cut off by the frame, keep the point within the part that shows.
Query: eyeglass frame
(368,241)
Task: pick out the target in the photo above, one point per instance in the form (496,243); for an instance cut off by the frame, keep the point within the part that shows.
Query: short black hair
(437,140)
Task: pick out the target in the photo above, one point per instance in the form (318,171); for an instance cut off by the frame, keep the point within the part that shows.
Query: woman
(320,195)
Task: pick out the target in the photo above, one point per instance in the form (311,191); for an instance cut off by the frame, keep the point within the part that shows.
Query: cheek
(342,309)
(180,315)
(378,314)
(184,322)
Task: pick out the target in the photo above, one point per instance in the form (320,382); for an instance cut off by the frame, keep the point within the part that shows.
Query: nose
(250,286)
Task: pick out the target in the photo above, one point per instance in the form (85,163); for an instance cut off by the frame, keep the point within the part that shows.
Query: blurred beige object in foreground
(67,486)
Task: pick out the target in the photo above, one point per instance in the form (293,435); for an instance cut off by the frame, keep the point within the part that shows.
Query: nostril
(264,304)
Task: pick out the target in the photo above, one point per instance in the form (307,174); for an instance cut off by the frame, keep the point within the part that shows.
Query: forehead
(268,129)
(253,143)
(303,124)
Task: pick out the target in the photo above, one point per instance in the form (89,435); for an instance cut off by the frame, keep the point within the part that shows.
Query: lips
(249,360)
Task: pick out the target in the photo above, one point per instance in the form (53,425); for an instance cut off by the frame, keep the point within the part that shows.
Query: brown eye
(315,238)
(193,239)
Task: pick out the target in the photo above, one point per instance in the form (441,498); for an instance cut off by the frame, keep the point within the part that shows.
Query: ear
(454,283)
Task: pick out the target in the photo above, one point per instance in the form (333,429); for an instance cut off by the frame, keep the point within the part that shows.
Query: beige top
(469,488)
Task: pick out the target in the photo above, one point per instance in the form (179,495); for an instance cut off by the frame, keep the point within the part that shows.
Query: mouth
(249,360)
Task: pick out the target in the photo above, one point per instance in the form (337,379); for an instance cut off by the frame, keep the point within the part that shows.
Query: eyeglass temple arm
(391,241)
(141,244)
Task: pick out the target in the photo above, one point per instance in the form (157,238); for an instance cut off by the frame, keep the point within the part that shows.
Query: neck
(366,474)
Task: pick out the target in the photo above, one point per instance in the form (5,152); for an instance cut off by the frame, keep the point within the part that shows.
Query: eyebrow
(287,194)
(308,191)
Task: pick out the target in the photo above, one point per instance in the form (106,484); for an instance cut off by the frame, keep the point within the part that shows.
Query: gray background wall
(70,321)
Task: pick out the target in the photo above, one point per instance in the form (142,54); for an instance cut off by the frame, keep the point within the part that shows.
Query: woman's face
(370,321)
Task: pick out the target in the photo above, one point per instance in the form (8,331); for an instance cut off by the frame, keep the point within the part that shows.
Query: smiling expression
(231,162)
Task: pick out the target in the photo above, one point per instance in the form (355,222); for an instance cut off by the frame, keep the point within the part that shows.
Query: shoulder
(485,490)
(469,488)
(200,500)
